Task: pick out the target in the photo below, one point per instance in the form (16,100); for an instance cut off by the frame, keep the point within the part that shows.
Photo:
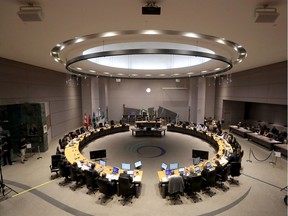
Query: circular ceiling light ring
(61,51)
(81,58)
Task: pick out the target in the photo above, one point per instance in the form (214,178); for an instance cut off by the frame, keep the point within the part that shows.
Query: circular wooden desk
(74,147)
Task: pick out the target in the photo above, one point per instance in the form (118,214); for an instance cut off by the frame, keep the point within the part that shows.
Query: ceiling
(32,42)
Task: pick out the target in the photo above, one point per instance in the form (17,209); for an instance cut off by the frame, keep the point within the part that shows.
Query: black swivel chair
(222,178)
(125,190)
(175,189)
(64,171)
(76,177)
(235,168)
(54,167)
(106,188)
(209,182)
(193,185)
(91,182)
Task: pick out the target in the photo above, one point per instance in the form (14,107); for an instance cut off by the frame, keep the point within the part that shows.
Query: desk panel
(239,130)
(262,140)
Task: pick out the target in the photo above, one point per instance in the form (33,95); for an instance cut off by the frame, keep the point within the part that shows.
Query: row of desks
(260,139)
(74,147)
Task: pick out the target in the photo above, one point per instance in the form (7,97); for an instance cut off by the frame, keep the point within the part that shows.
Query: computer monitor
(174,166)
(168,172)
(125,166)
(196,160)
(115,170)
(98,154)
(208,164)
(102,162)
(197,169)
(89,164)
(181,170)
(164,166)
(137,164)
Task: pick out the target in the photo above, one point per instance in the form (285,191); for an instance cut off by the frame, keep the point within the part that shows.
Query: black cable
(264,159)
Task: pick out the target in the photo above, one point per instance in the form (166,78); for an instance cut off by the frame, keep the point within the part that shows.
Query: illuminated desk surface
(73,154)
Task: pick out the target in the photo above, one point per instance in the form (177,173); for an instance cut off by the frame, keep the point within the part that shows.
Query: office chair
(125,190)
(64,171)
(76,177)
(209,182)
(106,188)
(91,183)
(54,167)
(193,186)
(61,144)
(175,189)
(235,168)
(223,177)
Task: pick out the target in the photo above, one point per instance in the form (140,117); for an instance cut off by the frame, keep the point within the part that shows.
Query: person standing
(22,147)
(6,148)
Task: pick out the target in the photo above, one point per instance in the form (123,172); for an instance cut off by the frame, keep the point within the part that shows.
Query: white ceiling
(31,42)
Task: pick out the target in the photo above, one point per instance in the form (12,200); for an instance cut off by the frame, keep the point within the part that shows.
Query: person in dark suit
(204,174)
(103,177)
(6,149)
(126,175)
(219,170)
(95,174)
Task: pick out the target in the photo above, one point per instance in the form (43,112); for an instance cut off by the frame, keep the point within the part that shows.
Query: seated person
(95,174)
(219,170)
(59,151)
(172,174)
(104,178)
(126,175)
(274,130)
(80,178)
(204,174)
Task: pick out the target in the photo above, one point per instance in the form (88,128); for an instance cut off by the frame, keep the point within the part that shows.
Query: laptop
(209,166)
(168,172)
(115,170)
(197,169)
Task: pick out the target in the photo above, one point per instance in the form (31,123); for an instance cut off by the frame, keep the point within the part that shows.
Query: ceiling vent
(266,15)
(151,9)
(30,13)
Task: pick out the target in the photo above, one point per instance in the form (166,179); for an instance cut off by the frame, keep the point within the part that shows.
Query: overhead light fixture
(151,9)
(30,13)
(266,15)
(140,57)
